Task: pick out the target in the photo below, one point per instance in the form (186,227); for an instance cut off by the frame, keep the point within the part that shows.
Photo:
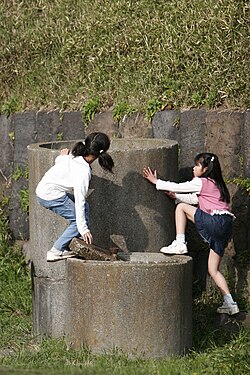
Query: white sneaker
(175,248)
(53,254)
(228,308)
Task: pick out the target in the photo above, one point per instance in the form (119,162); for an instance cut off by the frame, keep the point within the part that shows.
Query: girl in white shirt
(212,217)
(72,171)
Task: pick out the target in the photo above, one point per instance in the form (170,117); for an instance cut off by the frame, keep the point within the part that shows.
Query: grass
(182,53)
(215,351)
(129,55)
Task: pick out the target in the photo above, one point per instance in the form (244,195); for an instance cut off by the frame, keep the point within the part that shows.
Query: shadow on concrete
(121,209)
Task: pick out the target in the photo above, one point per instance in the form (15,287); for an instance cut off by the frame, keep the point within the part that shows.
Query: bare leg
(183,212)
(213,269)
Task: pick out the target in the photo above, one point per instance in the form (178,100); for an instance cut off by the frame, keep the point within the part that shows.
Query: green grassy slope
(62,53)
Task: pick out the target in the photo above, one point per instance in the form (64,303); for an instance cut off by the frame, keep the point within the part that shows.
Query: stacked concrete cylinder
(126,211)
(48,280)
(141,307)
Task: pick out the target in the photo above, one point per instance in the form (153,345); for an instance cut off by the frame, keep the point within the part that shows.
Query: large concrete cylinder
(126,211)
(142,307)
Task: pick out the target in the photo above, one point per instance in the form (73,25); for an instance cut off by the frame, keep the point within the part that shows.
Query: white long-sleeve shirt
(68,173)
(200,190)
(185,191)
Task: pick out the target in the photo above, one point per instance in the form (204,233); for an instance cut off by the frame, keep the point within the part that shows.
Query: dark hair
(95,144)
(211,162)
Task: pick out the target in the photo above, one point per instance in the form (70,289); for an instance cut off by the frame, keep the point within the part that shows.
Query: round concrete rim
(117,145)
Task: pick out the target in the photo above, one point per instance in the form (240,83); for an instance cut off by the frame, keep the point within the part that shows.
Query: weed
(243,258)
(154,105)
(20,172)
(15,291)
(24,200)
(197,99)
(10,106)
(244,183)
(90,109)
(12,136)
(121,109)
(4,224)
(212,99)
(26,172)
(59,136)
(176,123)
(170,93)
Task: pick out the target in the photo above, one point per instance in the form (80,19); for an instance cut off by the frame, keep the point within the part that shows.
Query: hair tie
(212,158)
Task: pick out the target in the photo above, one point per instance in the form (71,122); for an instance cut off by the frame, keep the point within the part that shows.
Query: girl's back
(210,197)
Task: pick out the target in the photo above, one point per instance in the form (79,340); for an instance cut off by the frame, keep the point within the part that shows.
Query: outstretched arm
(150,175)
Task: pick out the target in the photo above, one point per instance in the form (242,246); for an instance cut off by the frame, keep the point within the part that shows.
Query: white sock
(180,238)
(228,299)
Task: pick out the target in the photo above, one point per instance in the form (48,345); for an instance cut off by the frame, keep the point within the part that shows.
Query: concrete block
(24,129)
(48,125)
(103,122)
(19,219)
(142,308)
(225,129)
(25,134)
(246,145)
(192,136)
(232,324)
(72,126)
(135,126)
(7,146)
(165,124)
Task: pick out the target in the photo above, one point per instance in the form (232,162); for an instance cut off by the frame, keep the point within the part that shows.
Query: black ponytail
(95,144)
(106,162)
(213,171)
(79,149)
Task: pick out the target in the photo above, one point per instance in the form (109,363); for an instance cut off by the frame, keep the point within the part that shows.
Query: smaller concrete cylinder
(141,307)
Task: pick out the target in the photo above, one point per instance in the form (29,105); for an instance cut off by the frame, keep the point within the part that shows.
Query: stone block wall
(224,132)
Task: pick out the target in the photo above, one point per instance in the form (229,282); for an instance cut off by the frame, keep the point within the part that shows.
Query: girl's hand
(64,151)
(170,194)
(87,237)
(150,175)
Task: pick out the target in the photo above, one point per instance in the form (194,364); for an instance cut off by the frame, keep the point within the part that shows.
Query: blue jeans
(65,207)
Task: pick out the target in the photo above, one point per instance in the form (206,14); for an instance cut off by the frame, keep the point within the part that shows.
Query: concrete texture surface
(192,131)
(246,145)
(126,212)
(48,301)
(224,138)
(143,308)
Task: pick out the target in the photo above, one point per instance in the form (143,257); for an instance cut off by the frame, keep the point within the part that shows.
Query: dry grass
(60,54)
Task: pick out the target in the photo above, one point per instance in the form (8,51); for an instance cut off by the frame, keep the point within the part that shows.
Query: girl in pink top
(205,201)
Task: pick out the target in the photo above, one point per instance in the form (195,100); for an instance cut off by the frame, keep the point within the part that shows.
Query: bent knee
(182,206)
(212,271)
